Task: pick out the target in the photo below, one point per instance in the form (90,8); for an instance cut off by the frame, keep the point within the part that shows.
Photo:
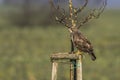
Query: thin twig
(93,14)
(81,8)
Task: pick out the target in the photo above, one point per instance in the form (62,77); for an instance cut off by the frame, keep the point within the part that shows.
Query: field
(25,52)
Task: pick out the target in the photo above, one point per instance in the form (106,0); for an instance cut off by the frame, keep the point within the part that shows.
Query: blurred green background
(28,38)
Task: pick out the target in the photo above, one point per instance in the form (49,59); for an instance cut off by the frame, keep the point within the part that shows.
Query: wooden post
(75,70)
(79,68)
(54,70)
(71,70)
(73,67)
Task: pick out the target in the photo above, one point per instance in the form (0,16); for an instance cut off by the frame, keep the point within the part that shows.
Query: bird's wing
(81,42)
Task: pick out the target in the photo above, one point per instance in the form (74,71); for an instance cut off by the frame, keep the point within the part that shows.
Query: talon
(80,53)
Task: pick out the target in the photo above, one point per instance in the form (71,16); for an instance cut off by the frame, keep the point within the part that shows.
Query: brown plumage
(81,43)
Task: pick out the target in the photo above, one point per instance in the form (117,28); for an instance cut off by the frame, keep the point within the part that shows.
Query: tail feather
(93,57)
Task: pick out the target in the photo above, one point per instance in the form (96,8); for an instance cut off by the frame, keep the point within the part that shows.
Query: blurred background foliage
(28,38)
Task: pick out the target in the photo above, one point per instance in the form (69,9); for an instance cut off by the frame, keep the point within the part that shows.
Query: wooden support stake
(71,70)
(54,70)
(75,69)
(79,68)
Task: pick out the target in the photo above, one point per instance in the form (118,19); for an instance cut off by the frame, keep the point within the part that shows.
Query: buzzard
(81,43)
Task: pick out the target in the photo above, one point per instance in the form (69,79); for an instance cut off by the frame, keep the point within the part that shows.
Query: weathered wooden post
(79,68)
(54,70)
(71,71)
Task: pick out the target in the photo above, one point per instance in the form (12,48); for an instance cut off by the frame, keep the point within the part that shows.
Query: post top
(61,56)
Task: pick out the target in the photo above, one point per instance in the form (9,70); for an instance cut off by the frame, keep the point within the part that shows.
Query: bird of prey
(81,43)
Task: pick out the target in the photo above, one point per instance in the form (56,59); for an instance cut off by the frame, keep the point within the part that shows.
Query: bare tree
(71,20)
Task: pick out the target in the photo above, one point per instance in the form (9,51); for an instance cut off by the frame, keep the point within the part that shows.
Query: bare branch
(86,19)
(78,10)
(63,19)
(101,9)
(81,8)
(62,22)
(93,14)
